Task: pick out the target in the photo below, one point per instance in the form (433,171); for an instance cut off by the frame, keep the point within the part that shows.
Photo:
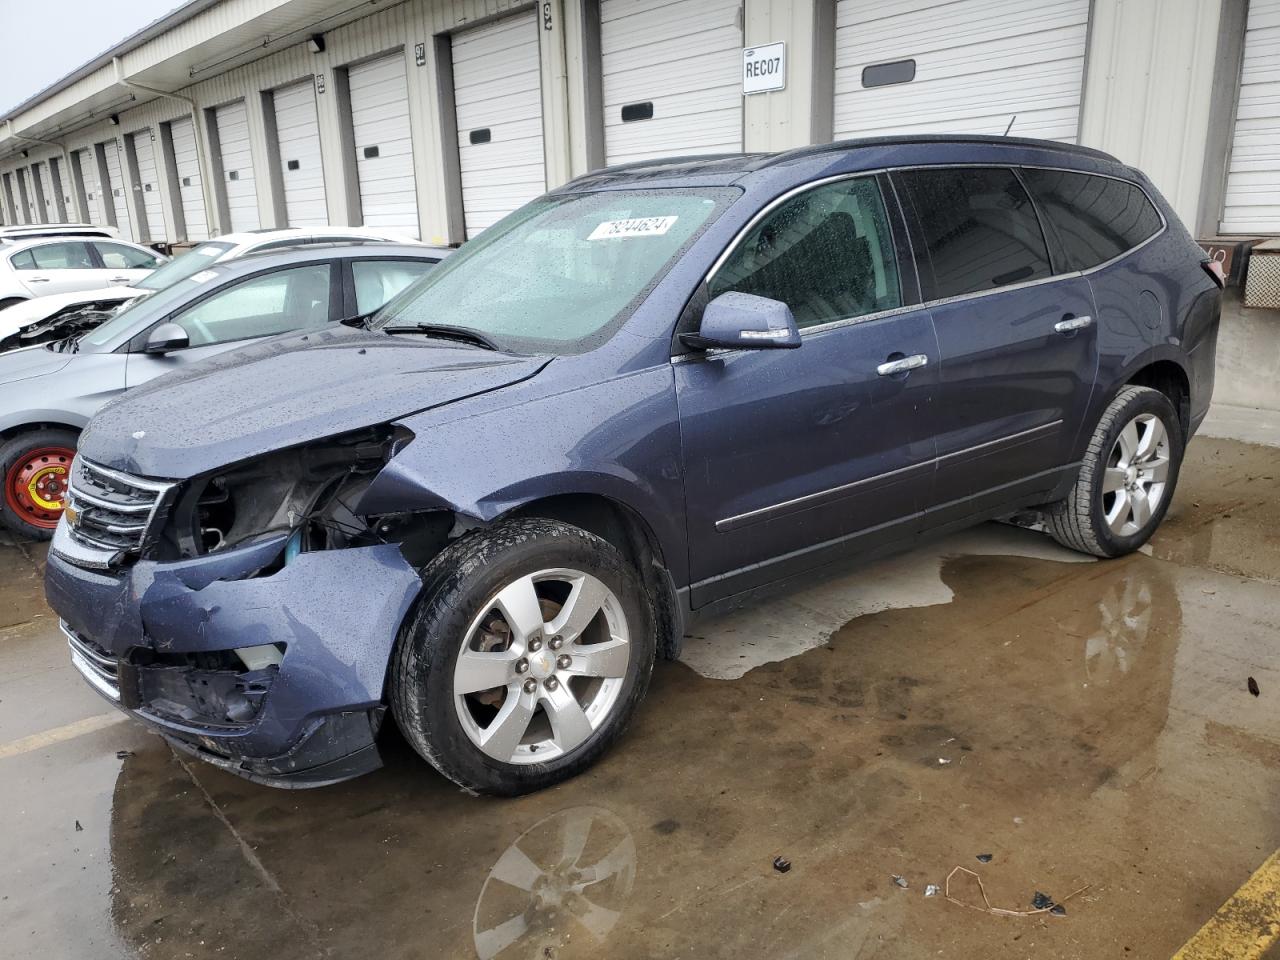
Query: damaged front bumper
(159,640)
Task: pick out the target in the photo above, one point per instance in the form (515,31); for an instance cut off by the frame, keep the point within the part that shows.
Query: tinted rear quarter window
(979,228)
(1096,218)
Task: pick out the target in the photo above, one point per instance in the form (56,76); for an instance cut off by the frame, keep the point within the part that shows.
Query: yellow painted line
(48,738)
(1247,925)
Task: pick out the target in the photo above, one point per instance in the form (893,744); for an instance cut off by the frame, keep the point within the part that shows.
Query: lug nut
(522,665)
(530,685)
(555,643)
(535,644)
(563,661)
(552,683)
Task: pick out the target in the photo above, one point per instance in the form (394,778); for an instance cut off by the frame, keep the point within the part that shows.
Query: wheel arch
(1170,378)
(8,433)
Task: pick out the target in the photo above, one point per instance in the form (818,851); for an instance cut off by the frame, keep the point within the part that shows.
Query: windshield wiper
(444,331)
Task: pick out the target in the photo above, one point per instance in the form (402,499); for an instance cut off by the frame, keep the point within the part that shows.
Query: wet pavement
(1085,723)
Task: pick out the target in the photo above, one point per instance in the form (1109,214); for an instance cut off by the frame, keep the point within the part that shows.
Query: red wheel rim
(36,485)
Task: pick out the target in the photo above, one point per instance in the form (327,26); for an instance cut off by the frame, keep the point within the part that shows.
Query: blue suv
(488,507)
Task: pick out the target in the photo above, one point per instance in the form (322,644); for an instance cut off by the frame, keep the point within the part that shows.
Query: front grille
(111,511)
(97,666)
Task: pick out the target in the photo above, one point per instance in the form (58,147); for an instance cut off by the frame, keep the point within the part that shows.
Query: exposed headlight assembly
(303,491)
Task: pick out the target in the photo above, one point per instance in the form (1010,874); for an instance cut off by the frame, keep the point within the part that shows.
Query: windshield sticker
(204,276)
(634,227)
(207,251)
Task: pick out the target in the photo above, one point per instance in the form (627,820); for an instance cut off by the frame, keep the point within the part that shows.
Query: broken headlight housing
(305,492)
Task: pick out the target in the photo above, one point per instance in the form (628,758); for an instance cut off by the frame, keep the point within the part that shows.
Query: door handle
(1072,323)
(891,367)
(38,280)
(120,279)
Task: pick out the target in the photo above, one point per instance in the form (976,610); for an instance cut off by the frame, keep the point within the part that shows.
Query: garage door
(298,135)
(11,210)
(498,99)
(24,198)
(923,67)
(186,165)
(671,73)
(237,166)
(53,207)
(88,164)
(148,186)
(115,189)
(384,149)
(1253,174)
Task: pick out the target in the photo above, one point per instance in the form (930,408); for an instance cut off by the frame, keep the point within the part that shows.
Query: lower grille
(95,664)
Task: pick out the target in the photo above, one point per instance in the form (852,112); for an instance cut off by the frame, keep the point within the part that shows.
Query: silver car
(49,392)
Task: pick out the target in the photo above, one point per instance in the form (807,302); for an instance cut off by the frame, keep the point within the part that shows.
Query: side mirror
(743,321)
(167,337)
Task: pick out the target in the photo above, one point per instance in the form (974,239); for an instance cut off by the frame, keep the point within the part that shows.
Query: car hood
(27,362)
(286,391)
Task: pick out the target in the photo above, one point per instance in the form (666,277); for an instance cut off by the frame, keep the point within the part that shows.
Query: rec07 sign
(764,68)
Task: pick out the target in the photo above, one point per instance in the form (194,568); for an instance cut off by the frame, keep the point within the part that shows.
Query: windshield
(181,267)
(557,275)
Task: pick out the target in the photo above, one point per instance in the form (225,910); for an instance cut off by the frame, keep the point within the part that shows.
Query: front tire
(35,467)
(1126,480)
(531,646)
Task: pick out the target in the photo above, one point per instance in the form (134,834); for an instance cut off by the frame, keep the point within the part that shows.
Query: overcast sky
(44,40)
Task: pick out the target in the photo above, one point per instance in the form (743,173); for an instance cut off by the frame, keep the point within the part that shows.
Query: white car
(229,246)
(28,324)
(47,265)
(27,231)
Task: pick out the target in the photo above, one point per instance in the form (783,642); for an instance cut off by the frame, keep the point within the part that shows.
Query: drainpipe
(66,156)
(202,150)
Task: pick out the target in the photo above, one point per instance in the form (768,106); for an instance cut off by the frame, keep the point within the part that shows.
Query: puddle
(727,647)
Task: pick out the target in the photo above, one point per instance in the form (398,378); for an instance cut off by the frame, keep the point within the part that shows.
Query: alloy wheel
(1133,485)
(542,666)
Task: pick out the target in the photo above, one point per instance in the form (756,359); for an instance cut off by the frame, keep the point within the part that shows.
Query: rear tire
(1126,480)
(531,639)
(34,468)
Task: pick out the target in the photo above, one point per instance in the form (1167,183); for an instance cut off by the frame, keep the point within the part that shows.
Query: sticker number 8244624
(633,227)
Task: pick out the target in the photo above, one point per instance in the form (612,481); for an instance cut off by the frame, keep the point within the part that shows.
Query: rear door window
(979,227)
(826,253)
(1097,218)
(116,256)
(377,281)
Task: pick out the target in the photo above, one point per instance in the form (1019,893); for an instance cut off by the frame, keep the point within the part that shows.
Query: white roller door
(148,186)
(237,166)
(115,189)
(186,164)
(1252,202)
(498,100)
(93,199)
(298,136)
(673,69)
(384,148)
(968,67)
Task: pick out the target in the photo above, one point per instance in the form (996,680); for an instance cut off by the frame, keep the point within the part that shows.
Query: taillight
(1214,269)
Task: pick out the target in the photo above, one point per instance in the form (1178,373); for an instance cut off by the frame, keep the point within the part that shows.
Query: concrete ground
(1087,724)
